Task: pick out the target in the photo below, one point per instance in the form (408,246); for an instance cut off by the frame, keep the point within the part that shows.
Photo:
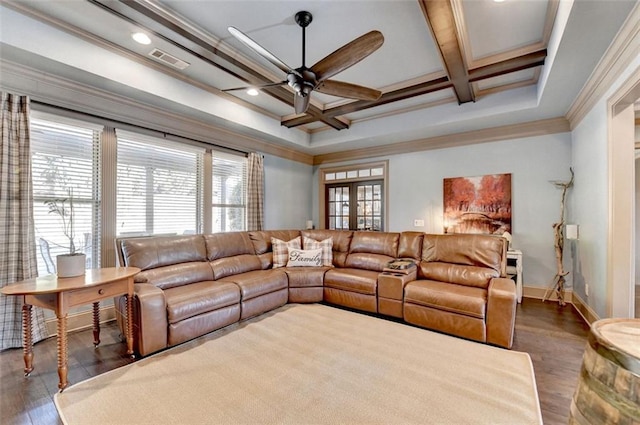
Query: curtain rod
(107,121)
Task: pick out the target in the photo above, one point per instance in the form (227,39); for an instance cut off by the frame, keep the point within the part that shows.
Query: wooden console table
(61,294)
(515,271)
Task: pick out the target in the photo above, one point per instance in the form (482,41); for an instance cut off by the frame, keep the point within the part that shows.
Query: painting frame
(477,204)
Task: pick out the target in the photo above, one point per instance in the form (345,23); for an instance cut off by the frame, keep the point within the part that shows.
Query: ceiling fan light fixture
(304,80)
(141,38)
(253,91)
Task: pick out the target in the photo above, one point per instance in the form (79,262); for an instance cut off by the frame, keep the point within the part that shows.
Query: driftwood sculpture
(557,285)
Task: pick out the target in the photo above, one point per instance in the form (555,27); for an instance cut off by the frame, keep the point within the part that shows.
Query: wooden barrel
(608,390)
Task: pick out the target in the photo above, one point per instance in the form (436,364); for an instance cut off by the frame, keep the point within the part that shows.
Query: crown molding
(514,131)
(81,99)
(622,51)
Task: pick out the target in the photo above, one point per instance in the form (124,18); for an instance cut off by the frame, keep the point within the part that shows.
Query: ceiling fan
(304,80)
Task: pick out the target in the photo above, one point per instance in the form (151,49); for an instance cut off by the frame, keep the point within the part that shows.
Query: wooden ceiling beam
(392,96)
(530,60)
(442,23)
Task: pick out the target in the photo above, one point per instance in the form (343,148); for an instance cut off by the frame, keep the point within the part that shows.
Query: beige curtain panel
(255,192)
(18,242)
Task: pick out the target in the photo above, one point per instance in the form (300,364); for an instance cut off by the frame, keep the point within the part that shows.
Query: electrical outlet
(418,223)
(586,289)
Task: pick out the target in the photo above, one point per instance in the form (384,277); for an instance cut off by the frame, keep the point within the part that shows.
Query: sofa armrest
(149,318)
(501,312)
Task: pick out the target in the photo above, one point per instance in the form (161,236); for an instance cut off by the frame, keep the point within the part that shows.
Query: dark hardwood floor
(554,337)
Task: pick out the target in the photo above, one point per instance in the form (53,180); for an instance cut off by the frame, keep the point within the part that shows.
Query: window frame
(360,175)
(89,245)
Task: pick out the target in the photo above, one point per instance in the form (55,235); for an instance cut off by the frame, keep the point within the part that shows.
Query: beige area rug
(313,364)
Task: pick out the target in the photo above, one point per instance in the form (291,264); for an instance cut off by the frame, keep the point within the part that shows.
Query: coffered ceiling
(446,66)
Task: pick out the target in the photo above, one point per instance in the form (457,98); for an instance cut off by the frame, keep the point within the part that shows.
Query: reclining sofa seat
(354,282)
(192,285)
(232,258)
(461,289)
(176,295)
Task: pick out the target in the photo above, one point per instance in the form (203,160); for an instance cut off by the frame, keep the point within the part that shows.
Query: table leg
(96,324)
(129,302)
(62,352)
(27,339)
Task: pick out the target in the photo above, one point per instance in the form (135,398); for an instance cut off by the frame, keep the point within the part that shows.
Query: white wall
(415,191)
(287,193)
(589,205)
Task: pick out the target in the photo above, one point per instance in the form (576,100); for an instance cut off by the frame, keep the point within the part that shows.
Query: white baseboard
(585,311)
(539,293)
(81,320)
(570,297)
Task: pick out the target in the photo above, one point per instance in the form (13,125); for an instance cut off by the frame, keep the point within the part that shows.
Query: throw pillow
(305,258)
(281,249)
(326,246)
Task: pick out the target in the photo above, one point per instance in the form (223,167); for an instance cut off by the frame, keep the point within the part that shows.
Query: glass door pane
(354,206)
(338,205)
(369,211)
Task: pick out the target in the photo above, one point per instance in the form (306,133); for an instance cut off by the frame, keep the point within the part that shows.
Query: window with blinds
(229,192)
(159,186)
(65,157)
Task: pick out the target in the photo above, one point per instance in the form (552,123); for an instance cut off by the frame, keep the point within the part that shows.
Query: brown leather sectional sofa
(194,284)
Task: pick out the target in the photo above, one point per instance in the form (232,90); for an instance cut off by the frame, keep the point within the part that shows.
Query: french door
(354,206)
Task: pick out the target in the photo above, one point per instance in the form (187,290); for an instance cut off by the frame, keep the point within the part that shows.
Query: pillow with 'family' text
(305,258)
(281,249)
(326,246)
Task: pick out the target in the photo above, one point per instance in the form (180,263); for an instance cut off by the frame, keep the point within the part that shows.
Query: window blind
(158,186)
(229,192)
(65,157)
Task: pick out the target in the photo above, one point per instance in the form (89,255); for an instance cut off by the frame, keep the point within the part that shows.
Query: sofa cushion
(382,243)
(176,275)
(260,282)
(455,273)
(449,297)
(352,280)
(229,266)
(466,249)
(375,262)
(221,245)
(148,253)
(198,298)
(326,247)
(261,239)
(281,250)
(305,258)
(410,245)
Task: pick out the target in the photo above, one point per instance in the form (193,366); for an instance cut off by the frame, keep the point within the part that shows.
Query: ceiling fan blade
(256,86)
(352,91)
(258,49)
(301,103)
(348,55)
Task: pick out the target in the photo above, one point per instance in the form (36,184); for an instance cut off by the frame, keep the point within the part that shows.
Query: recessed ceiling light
(141,38)
(498,1)
(253,92)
